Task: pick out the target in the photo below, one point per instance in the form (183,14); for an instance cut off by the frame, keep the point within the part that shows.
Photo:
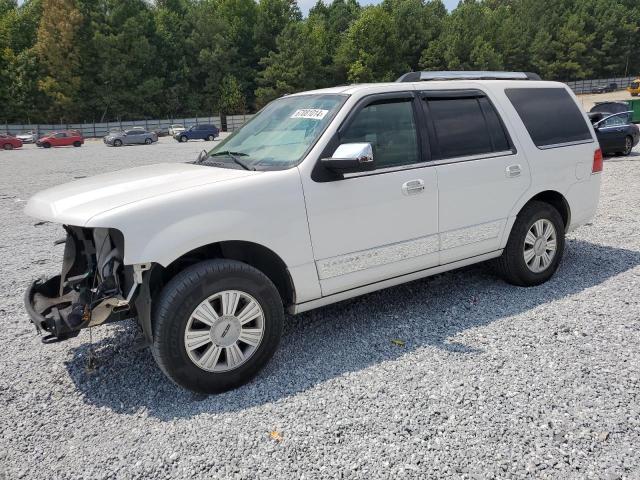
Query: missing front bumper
(88,292)
(49,311)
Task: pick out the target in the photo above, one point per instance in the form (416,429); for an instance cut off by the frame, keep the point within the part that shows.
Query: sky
(305,5)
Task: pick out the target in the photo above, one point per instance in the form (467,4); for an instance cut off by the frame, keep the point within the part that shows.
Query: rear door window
(464,126)
(550,115)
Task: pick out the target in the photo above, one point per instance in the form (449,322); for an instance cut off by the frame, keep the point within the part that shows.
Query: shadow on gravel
(350,336)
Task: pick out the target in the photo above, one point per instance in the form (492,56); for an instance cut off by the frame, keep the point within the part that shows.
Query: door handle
(413,187)
(513,171)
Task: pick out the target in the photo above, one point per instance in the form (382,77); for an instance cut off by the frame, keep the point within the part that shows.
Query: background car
(134,136)
(201,131)
(176,128)
(63,138)
(7,142)
(610,87)
(28,137)
(634,88)
(616,134)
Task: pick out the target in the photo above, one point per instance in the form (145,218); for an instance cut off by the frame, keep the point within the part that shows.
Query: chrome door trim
(431,163)
(372,287)
(376,257)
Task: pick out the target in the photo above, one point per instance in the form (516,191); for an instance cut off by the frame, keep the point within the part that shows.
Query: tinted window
(390,129)
(550,115)
(466,126)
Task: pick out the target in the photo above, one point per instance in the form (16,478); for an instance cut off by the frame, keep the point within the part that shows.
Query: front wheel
(46,145)
(183,138)
(216,324)
(211,138)
(7,146)
(147,141)
(535,246)
(77,144)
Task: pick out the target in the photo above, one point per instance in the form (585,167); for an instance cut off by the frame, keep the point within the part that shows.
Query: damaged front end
(90,289)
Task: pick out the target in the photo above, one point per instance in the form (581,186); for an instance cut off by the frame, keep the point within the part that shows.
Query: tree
(232,99)
(272,17)
(57,50)
(301,62)
(369,52)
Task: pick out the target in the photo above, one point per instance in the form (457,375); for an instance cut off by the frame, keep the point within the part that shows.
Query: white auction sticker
(313,113)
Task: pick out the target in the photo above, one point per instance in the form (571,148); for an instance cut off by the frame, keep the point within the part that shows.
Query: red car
(63,138)
(7,142)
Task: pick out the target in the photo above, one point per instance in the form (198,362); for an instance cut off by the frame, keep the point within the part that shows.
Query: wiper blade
(227,152)
(234,156)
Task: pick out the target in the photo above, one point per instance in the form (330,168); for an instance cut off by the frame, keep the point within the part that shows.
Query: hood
(75,203)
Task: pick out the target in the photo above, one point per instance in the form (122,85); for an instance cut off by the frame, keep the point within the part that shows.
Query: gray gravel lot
(493,381)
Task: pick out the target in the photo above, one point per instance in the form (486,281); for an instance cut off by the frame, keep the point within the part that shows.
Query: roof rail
(467,75)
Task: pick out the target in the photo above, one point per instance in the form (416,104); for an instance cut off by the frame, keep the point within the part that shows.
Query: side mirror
(351,158)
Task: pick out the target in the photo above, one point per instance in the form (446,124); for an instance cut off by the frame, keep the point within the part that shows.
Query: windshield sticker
(312,113)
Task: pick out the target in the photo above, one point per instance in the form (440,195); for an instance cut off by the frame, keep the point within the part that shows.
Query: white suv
(322,196)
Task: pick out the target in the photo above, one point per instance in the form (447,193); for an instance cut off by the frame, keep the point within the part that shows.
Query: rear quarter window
(550,115)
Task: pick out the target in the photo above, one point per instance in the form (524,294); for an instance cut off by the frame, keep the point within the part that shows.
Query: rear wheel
(7,146)
(216,324)
(628,145)
(211,138)
(147,141)
(77,144)
(535,246)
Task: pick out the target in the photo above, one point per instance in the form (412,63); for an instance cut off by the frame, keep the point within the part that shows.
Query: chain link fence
(593,85)
(228,123)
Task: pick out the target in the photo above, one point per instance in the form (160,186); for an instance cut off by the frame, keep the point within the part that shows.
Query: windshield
(280,134)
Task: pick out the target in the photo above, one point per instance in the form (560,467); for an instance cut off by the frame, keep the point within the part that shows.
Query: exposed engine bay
(94,287)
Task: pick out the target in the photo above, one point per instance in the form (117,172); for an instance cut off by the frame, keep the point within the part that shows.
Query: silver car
(29,137)
(135,136)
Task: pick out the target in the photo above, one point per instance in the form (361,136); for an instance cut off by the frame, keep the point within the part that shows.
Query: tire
(77,144)
(174,315)
(628,146)
(7,146)
(183,139)
(211,138)
(46,145)
(512,265)
(117,143)
(147,141)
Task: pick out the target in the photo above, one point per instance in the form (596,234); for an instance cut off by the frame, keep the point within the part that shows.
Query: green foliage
(107,59)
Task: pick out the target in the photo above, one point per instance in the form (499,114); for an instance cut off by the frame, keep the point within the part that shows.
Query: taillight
(597,161)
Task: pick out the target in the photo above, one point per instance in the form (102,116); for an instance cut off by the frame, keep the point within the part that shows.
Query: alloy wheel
(540,245)
(224,331)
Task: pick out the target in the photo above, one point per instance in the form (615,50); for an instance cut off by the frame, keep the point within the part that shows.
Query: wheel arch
(251,253)
(254,254)
(554,198)
(557,201)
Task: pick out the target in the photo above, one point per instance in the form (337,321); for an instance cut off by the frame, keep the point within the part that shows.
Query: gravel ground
(491,381)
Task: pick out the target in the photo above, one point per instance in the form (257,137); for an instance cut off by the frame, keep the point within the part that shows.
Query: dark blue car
(201,131)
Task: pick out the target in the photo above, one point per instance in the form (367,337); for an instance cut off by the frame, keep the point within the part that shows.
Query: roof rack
(466,75)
